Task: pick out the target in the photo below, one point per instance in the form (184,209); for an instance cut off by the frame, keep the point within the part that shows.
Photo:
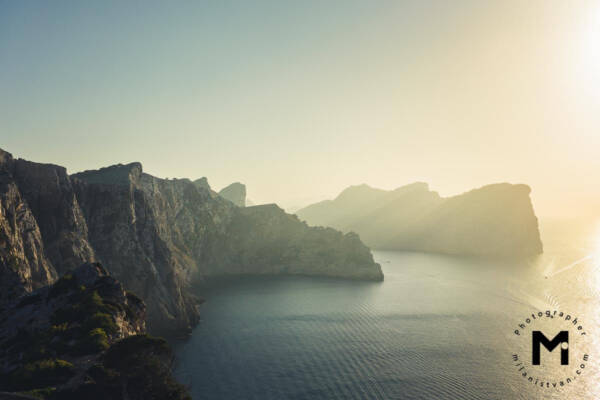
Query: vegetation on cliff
(83,337)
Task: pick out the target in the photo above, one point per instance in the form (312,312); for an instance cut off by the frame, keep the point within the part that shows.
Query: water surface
(438,327)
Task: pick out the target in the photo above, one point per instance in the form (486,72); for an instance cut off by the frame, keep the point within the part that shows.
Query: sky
(299,100)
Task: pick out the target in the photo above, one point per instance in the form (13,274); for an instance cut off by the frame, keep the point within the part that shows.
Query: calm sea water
(438,328)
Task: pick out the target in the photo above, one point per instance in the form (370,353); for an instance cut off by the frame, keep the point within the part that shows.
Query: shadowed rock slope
(493,221)
(156,236)
(83,338)
(265,240)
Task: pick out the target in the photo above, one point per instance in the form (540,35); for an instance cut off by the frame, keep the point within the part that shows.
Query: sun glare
(596,248)
(591,50)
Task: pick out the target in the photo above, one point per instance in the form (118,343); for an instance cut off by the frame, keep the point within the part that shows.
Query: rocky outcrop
(51,197)
(493,221)
(157,236)
(265,240)
(147,229)
(236,193)
(73,339)
(202,183)
(23,262)
(95,290)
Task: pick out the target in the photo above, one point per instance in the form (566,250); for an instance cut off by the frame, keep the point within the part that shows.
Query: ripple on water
(410,337)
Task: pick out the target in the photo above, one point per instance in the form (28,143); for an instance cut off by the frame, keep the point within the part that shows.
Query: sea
(437,327)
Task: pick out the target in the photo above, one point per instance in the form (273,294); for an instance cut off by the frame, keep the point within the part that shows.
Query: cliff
(23,262)
(203,184)
(265,240)
(236,193)
(60,342)
(493,221)
(157,236)
(141,227)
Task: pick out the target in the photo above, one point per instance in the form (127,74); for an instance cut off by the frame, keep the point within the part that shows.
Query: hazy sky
(301,99)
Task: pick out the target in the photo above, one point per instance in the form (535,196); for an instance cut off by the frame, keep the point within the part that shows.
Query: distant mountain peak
(495,220)
(236,193)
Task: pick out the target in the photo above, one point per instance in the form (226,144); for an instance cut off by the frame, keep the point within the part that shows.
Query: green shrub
(89,304)
(42,373)
(143,364)
(103,321)
(92,301)
(40,393)
(60,328)
(94,341)
(133,347)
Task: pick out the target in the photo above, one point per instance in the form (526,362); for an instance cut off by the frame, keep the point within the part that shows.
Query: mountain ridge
(495,220)
(157,236)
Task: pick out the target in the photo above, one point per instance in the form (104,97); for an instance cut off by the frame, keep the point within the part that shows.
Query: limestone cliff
(156,236)
(23,262)
(136,225)
(51,197)
(265,240)
(203,183)
(493,221)
(160,235)
(236,193)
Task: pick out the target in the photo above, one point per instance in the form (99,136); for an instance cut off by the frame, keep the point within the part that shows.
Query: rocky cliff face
(23,262)
(236,193)
(202,183)
(51,197)
(265,240)
(493,221)
(59,342)
(161,235)
(157,236)
(134,225)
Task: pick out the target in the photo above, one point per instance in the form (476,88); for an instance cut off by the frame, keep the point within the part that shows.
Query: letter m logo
(562,338)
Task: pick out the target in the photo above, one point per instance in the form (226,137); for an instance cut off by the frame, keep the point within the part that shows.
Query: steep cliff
(51,197)
(236,193)
(23,262)
(265,240)
(137,225)
(203,183)
(74,339)
(157,236)
(493,221)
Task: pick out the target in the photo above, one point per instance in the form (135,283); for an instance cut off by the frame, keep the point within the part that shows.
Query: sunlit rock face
(156,236)
(23,262)
(493,221)
(236,193)
(138,225)
(50,194)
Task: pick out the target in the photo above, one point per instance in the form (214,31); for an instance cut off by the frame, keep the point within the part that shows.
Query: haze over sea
(438,327)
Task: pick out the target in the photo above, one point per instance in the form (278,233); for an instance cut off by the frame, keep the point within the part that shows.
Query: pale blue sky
(300,99)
